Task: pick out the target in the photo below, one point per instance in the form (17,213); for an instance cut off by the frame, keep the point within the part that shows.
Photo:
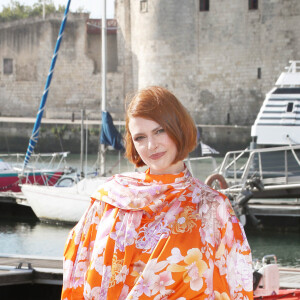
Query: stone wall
(212,59)
(53,137)
(14,137)
(219,63)
(234,44)
(76,82)
(125,56)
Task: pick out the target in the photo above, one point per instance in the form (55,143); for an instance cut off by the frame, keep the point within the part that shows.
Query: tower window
(7,66)
(204,5)
(258,73)
(253,4)
(143,6)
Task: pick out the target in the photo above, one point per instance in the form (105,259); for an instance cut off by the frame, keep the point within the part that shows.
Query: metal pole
(86,144)
(103,70)
(103,66)
(82,144)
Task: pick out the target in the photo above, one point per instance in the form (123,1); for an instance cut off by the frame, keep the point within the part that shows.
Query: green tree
(16,11)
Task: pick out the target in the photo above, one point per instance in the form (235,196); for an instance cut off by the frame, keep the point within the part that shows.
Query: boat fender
(219,178)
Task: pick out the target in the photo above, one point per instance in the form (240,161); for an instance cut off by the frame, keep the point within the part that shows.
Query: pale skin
(155,147)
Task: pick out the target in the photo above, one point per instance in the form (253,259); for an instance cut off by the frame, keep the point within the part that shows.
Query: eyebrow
(155,129)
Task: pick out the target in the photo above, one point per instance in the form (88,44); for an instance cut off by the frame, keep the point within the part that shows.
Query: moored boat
(266,282)
(270,168)
(44,169)
(60,203)
(287,294)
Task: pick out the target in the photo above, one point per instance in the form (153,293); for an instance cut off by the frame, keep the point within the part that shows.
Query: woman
(161,234)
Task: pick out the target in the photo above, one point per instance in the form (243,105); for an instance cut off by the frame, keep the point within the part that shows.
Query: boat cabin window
(204,5)
(290,107)
(287,91)
(253,4)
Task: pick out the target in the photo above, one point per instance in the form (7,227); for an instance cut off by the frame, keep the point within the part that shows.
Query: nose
(152,145)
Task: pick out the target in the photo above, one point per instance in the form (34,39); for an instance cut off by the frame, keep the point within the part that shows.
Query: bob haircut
(159,105)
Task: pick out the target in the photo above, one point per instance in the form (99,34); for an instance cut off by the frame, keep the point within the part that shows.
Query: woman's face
(155,147)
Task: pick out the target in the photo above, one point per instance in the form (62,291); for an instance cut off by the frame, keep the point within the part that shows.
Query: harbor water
(32,237)
(41,239)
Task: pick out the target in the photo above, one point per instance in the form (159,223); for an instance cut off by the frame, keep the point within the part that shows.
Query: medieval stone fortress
(219,57)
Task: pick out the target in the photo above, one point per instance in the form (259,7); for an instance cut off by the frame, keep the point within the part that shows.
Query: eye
(159,131)
(138,138)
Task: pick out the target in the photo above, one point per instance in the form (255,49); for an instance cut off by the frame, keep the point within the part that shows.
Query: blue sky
(92,6)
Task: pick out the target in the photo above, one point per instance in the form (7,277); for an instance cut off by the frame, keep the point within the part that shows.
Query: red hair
(159,105)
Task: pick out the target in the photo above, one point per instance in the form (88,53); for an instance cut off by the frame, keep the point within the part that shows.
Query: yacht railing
(277,165)
(294,66)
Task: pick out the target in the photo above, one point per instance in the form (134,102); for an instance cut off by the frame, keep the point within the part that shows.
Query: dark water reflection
(36,238)
(285,245)
(32,238)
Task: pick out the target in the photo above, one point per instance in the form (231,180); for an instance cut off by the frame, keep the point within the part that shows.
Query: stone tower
(219,62)
(162,38)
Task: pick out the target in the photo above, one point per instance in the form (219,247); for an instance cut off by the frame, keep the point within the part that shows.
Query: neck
(173,169)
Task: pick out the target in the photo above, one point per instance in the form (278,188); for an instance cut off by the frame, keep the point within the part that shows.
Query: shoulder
(202,193)
(212,202)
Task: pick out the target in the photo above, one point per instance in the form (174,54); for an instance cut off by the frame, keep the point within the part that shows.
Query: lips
(157,155)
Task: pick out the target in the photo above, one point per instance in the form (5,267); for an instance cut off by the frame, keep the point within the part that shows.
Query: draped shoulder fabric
(157,237)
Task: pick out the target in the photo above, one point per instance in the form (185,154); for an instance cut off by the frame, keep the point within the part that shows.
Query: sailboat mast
(103,70)
(103,66)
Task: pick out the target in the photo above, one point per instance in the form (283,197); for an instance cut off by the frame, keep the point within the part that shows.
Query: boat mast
(36,128)
(103,70)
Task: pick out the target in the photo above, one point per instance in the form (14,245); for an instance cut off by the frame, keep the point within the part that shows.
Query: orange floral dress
(156,237)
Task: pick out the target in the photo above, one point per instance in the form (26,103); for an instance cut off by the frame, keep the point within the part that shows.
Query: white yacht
(265,179)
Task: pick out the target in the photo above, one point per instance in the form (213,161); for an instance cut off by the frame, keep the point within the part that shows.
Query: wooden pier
(26,269)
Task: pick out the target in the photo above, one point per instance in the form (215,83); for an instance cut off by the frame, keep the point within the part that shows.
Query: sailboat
(46,169)
(66,204)
(61,204)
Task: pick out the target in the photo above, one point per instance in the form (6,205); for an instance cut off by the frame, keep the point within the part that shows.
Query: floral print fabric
(157,237)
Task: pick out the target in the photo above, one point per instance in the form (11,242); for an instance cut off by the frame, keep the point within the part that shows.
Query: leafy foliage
(16,11)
